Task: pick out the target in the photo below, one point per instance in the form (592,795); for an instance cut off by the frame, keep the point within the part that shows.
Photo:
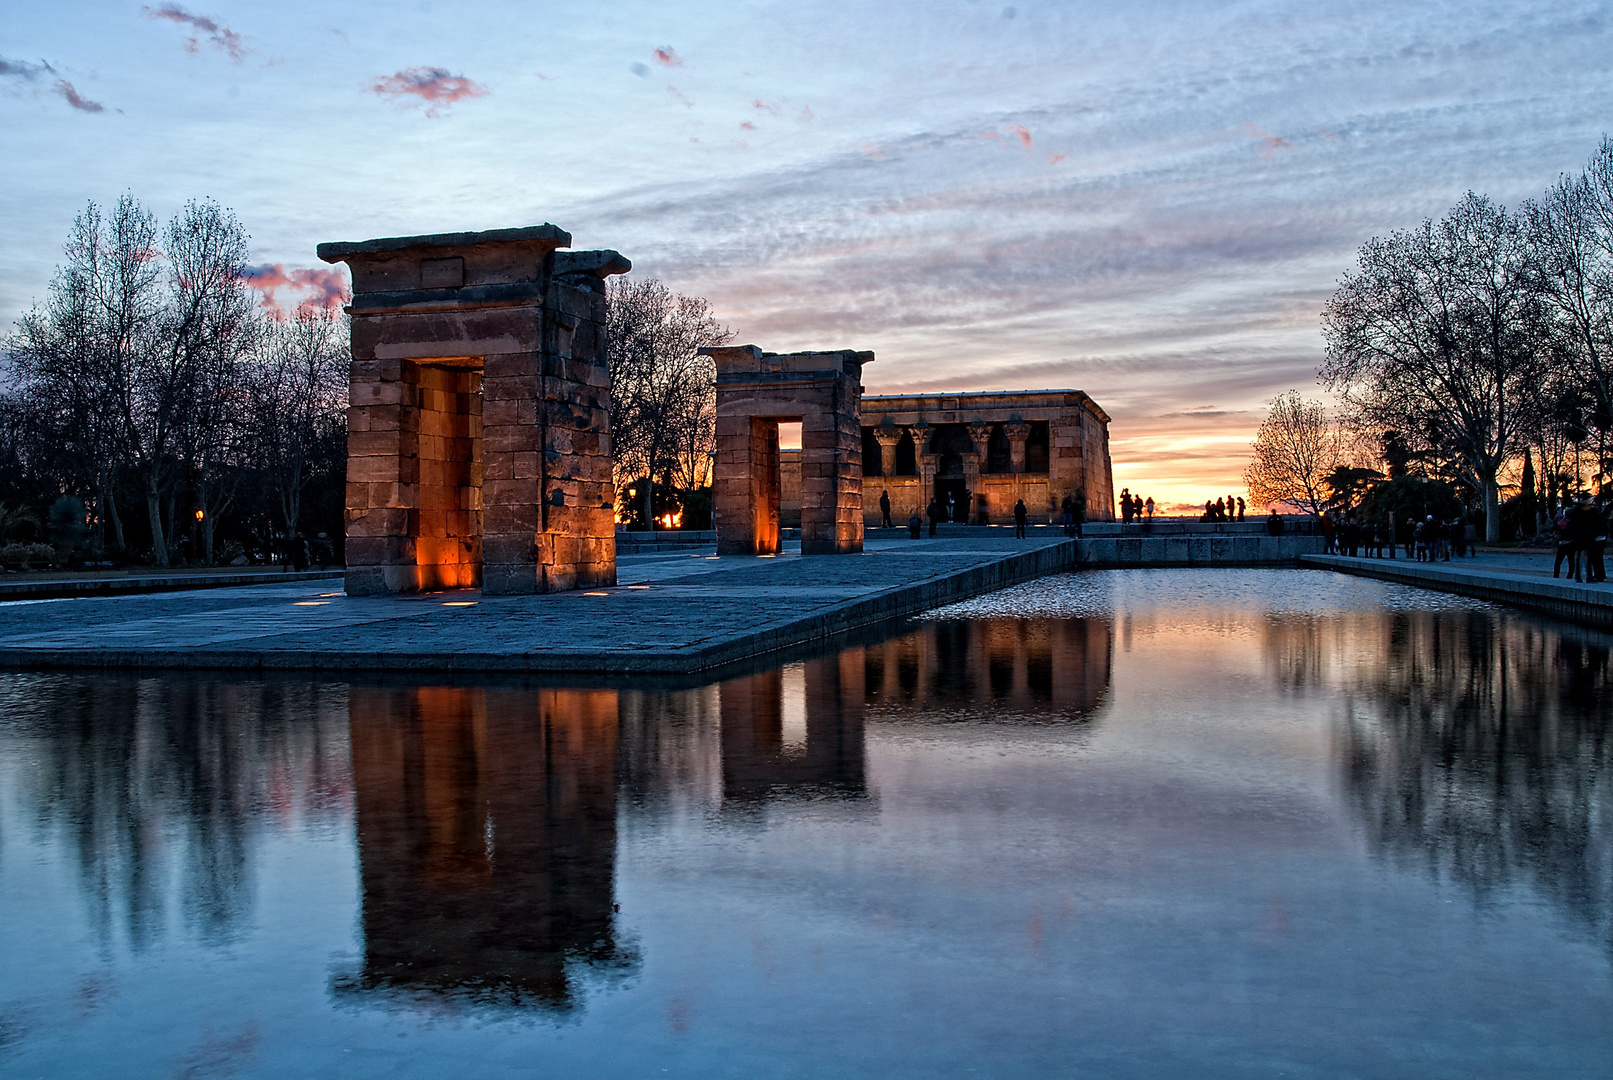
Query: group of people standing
(1429,540)
(1230,508)
(1135,507)
(1582,529)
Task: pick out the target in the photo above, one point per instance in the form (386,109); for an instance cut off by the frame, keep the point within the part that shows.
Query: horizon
(1150,207)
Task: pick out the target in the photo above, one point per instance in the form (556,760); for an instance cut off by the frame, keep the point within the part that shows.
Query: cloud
(1054,159)
(434,86)
(22,69)
(641,70)
(1022,133)
(76,100)
(217,35)
(321,288)
(680,96)
(666,56)
(747,126)
(24,72)
(1270,144)
(761,106)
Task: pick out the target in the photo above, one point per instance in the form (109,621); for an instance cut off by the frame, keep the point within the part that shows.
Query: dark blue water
(1139,824)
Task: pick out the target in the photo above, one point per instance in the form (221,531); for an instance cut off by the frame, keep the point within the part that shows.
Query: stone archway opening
(756,393)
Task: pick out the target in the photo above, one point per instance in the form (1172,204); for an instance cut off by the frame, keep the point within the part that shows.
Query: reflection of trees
(1042,669)
(1478,742)
(142,773)
(486,824)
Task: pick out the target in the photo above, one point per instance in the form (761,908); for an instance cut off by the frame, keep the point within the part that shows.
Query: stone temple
(478,426)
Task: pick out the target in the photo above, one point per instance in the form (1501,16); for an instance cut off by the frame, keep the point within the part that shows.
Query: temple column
(888,436)
(1017,431)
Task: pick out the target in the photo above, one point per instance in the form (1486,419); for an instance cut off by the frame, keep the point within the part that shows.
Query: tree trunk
(649,503)
(159,549)
(207,536)
(1492,510)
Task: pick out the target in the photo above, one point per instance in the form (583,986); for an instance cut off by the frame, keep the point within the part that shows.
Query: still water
(1132,824)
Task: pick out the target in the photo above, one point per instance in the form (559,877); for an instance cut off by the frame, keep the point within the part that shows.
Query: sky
(1148,201)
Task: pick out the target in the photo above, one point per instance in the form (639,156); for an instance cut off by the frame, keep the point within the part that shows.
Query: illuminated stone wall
(756,391)
(479,429)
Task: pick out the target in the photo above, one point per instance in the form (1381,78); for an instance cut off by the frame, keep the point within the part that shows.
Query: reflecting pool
(1132,824)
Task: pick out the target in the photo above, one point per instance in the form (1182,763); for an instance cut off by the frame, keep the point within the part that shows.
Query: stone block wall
(755,392)
(480,414)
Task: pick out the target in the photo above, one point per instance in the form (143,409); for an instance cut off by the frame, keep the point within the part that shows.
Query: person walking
(935,514)
(1067,515)
(1240,507)
(1020,517)
(1596,568)
(885,507)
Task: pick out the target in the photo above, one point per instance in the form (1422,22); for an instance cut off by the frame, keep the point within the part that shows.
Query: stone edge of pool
(711,655)
(1588,605)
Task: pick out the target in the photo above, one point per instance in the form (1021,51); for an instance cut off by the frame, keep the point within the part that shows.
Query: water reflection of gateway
(486,825)
(796,730)
(1038,670)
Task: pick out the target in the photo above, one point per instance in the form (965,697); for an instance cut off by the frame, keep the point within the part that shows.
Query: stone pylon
(756,391)
(478,427)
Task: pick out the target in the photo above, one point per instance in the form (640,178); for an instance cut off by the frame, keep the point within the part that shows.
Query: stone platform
(672,613)
(1521,580)
(121,582)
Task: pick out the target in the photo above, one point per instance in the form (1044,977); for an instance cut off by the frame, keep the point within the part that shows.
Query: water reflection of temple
(486,825)
(1017,668)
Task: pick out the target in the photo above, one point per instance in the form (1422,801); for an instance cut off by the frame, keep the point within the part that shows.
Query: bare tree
(298,396)
(1296,450)
(1438,335)
(663,417)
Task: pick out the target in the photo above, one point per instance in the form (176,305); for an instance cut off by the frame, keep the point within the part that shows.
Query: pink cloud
(762,106)
(1054,159)
(665,55)
(219,36)
(807,114)
(1022,133)
(1270,144)
(76,100)
(747,126)
(432,85)
(680,96)
(321,288)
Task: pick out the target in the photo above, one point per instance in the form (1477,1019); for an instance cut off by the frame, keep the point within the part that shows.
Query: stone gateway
(478,428)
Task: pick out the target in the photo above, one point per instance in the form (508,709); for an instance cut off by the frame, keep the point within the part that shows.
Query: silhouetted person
(885,507)
(935,514)
(1585,524)
(299,551)
(1274,524)
(1240,507)
(1595,567)
(1125,506)
(1067,515)
(1220,510)
(1079,505)
(1020,517)
(982,515)
(952,508)
(915,526)
(1565,544)
(322,550)
(1209,510)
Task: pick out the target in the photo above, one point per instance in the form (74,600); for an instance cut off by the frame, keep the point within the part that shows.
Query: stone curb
(1588,605)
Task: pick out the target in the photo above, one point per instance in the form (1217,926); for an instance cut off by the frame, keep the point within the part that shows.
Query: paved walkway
(37,586)
(671,613)
(1512,577)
